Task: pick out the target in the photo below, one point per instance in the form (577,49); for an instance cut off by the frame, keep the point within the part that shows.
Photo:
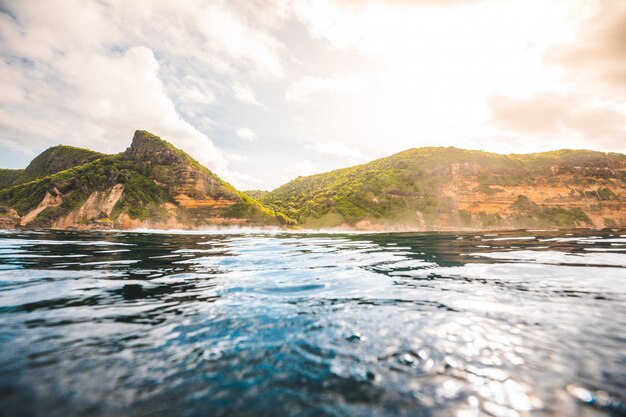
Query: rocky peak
(149,149)
(172,167)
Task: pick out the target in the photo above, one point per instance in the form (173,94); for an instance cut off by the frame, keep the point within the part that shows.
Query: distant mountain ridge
(155,185)
(451,189)
(152,184)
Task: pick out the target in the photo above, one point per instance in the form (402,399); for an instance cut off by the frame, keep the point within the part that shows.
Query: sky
(264,91)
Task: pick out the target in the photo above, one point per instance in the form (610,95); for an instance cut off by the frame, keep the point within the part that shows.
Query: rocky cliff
(150,185)
(452,189)
(154,185)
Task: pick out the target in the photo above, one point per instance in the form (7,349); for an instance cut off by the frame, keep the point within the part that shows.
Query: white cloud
(554,116)
(246,134)
(302,168)
(226,31)
(87,74)
(339,150)
(243,181)
(192,90)
(235,157)
(302,90)
(244,93)
(405,75)
(98,101)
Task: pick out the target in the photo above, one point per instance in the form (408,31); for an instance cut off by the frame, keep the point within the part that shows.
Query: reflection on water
(509,324)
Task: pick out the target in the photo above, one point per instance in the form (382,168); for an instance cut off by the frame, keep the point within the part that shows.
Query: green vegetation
(523,203)
(49,214)
(526,214)
(76,184)
(378,189)
(486,189)
(605,194)
(153,174)
(50,161)
(167,165)
(256,194)
(589,163)
(58,158)
(9,176)
(530,214)
(408,188)
(418,188)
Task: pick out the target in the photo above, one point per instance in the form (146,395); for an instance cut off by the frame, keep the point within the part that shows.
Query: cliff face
(201,194)
(452,189)
(559,199)
(154,185)
(190,184)
(151,185)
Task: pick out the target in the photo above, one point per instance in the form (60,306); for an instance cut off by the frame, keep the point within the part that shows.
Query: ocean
(259,323)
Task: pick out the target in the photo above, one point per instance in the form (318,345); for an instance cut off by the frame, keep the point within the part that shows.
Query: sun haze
(262,92)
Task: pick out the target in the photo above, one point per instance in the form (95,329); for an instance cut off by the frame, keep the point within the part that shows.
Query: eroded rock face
(557,193)
(96,209)
(52,198)
(152,184)
(147,149)
(190,184)
(9,219)
(598,205)
(454,189)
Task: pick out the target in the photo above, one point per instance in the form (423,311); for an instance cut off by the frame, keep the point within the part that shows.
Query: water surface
(269,324)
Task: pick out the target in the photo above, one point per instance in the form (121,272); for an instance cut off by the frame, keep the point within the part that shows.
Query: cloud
(244,93)
(89,74)
(243,181)
(339,150)
(408,3)
(555,116)
(302,168)
(246,134)
(198,34)
(301,91)
(97,101)
(376,27)
(467,73)
(236,157)
(598,54)
(192,90)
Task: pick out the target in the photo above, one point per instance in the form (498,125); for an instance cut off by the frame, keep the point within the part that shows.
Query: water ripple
(264,324)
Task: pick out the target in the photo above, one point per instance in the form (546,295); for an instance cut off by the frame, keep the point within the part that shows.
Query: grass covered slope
(450,188)
(9,176)
(152,184)
(68,190)
(50,161)
(194,187)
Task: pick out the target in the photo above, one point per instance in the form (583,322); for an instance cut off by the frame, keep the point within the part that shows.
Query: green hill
(152,184)
(50,161)
(449,188)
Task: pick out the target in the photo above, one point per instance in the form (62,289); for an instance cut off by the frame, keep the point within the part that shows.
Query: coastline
(296,230)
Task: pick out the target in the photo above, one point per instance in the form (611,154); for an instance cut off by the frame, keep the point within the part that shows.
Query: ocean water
(281,324)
